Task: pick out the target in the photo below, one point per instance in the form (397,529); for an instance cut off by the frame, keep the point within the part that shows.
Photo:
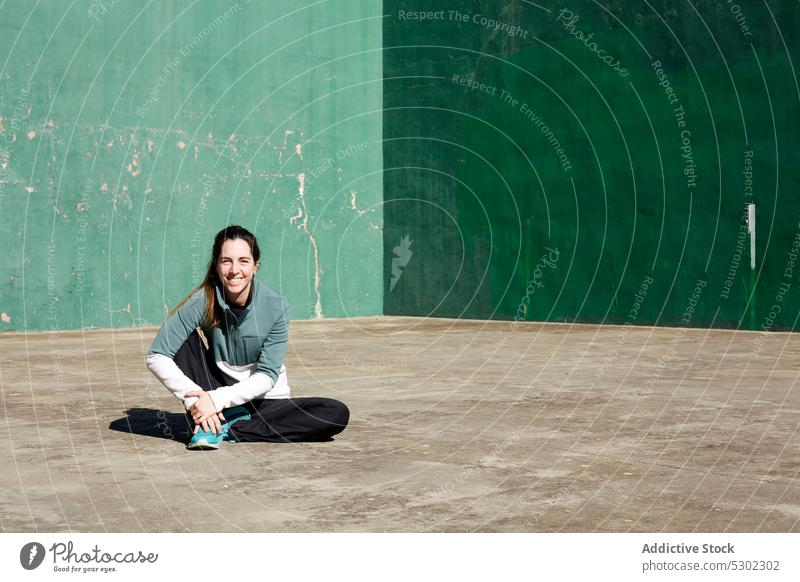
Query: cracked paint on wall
(301,221)
(127,204)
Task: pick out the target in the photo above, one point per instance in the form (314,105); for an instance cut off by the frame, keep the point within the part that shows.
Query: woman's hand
(204,413)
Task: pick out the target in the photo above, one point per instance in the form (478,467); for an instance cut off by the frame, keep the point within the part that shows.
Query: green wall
(484,159)
(537,181)
(131,132)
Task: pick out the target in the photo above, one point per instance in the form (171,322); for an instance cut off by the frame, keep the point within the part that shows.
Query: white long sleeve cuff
(167,371)
(256,386)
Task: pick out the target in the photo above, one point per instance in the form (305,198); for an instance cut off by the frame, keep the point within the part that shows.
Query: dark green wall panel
(529,141)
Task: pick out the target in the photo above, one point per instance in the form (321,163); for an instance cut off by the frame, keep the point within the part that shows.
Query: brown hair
(212,315)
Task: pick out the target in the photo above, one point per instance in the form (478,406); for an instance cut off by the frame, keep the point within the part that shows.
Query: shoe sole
(202,445)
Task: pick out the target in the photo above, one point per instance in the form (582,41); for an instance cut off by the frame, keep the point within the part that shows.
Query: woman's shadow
(153,423)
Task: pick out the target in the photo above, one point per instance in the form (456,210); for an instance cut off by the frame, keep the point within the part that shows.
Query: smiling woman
(236,389)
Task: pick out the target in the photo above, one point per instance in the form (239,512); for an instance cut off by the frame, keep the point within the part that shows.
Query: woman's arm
(172,335)
(256,386)
(167,371)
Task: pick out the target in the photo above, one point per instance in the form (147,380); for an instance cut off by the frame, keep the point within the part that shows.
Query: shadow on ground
(153,423)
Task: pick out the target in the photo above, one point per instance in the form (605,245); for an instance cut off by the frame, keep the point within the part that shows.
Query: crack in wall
(302,212)
(354,206)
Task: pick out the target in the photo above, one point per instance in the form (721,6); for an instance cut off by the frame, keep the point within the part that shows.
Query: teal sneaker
(204,440)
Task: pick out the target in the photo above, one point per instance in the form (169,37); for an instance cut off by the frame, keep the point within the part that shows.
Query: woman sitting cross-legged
(237,389)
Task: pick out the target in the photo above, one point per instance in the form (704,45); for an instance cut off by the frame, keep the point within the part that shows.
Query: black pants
(272,420)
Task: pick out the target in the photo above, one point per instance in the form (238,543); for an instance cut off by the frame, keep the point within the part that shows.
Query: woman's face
(235,269)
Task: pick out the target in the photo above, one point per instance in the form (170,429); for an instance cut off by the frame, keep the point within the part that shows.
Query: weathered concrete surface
(456,426)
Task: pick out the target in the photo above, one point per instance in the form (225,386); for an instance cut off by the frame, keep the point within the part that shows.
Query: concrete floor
(456,426)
